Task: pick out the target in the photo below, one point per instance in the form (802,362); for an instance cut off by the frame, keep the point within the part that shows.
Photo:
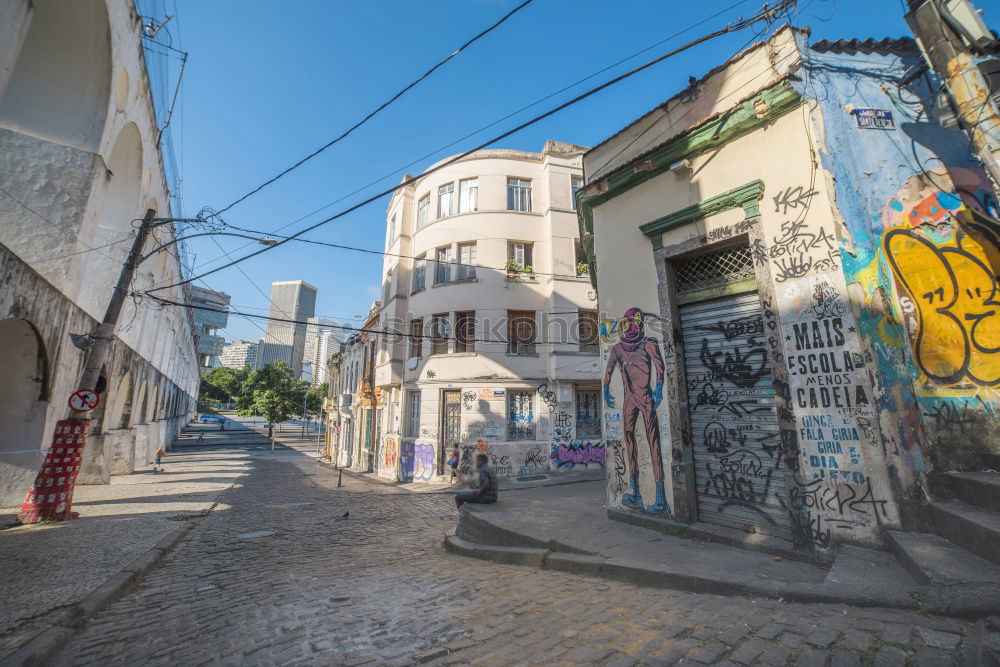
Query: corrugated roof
(870,45)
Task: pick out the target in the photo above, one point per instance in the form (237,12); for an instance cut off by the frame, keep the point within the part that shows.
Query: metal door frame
(442,449)
(685,507)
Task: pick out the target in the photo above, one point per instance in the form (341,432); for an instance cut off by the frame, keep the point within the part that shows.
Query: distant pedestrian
(453,464)
(157,458)
(201,437)
(223,422)
(484,491)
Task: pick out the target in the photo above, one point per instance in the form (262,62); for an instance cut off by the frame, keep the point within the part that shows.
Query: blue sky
(269,82)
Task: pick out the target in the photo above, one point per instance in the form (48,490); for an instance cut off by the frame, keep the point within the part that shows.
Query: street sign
(874,119)
(84,400)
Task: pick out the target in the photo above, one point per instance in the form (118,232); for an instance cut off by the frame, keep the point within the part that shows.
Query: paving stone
(810,657)
(748,651)
(845,659)
(935,639)
(890,656)
(708,653)
(770,631)
(933,657)
(775,655)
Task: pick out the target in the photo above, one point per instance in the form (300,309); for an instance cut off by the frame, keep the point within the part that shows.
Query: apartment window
(465,331)
(446,200)
(588,414)
(419,273)
(466,261)
(520,415)
(468,195)
(575,183)
(518,194)
(416,340)
(413,414)
(387,286)
(586,326)
(520,253)
(392,230)
(521,331)
(581,258)
(442,265)
(423,211)
(439,333)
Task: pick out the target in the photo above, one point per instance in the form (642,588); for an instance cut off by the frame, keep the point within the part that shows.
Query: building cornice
(754,111)
(745,196)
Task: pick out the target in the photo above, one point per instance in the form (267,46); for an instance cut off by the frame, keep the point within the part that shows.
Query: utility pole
(51,495)
(97,353)
(948,32)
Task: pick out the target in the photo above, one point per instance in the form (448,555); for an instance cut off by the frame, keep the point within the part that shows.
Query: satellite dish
(411,363)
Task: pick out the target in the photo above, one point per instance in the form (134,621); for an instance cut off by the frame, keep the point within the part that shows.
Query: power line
(343,327)
(382,106)
(766,14)
(495,122)
(392,254)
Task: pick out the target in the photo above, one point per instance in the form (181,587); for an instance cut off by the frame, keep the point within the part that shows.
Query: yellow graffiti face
(955,292)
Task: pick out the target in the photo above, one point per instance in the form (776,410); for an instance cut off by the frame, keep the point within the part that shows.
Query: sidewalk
(567,528)
(56,574)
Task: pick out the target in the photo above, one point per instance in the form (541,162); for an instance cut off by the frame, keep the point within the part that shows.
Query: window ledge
(522,278)
(417,291)
(456,282)
(577,353)
(522,354)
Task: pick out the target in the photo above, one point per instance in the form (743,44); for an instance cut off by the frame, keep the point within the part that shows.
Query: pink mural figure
(638,356)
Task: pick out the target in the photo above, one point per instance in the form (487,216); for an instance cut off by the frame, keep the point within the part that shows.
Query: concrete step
(974,488)
(973,528)
(931,559)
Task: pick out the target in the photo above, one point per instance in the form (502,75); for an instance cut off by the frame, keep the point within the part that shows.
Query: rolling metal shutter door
(739,475)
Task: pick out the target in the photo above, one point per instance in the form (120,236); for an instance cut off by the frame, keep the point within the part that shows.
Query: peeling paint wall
(921,258)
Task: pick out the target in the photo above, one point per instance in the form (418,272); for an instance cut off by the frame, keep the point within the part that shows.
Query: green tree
(270,392)
(314,399)
(223,384)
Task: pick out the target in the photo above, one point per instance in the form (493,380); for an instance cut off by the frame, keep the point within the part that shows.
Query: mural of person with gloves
(638,357)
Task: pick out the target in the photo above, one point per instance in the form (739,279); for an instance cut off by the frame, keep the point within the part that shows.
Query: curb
(43,645)
(967,602)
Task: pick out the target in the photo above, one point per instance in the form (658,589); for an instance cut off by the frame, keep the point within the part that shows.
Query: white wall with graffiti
(790,317)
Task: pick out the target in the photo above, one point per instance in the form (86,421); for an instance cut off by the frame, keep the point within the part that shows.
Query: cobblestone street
(277,574)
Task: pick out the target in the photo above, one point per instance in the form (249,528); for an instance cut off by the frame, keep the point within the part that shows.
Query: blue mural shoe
(660,506)
(634,499)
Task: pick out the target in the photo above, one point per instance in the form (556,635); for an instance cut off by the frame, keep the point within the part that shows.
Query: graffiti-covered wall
(920,251)
(799,324)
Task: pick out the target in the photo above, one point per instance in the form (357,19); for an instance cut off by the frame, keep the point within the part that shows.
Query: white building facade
(238,354)
(322,342)
(80,161)
(497,348)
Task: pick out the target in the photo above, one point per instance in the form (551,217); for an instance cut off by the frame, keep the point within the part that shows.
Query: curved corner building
(497,351)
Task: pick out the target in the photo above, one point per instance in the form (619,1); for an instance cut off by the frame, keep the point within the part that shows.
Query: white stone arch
(22,411)
(60,87)
(143,402)
(121,410)
(119,207)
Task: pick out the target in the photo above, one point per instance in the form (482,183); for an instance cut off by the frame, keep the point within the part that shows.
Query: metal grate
(717,268)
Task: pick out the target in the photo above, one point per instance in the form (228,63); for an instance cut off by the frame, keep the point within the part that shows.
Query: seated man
(485,490)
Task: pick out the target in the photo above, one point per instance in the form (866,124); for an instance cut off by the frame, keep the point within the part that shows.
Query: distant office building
(239,354)
(286,341)
(207,324)
(322,342)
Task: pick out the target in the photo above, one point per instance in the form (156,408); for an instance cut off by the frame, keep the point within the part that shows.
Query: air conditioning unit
(344,400)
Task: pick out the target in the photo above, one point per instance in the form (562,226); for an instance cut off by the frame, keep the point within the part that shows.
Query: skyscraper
(322,342)
(285,341)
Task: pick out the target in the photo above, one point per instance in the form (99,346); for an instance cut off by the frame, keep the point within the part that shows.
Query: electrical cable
(766,14)
(342,327)
(495,122)
(372,114)
(392,254)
